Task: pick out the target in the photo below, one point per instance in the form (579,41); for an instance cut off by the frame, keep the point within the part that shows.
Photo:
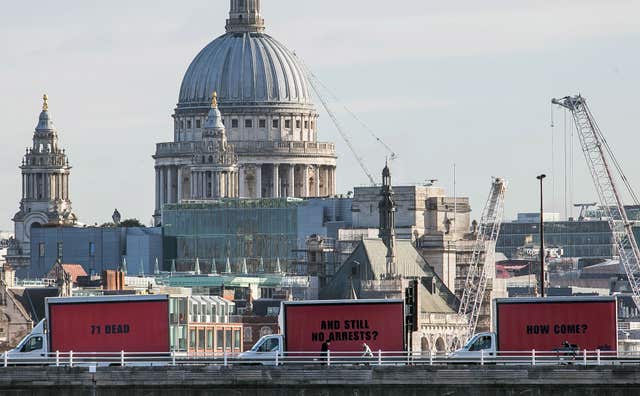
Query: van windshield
(23,341)
(471,341)
(481,343)
(267,345)
(33,344)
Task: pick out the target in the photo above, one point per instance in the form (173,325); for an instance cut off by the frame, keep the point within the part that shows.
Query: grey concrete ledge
(215,376)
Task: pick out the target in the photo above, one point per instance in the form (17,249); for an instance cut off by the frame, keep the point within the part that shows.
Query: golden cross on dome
(45,105)
(214,100)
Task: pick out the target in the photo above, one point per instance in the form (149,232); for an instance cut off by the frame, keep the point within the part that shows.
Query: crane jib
(602,163)
(483,255)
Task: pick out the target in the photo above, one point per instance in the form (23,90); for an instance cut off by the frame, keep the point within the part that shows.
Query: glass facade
(576,238)
(234,229)
(178,320)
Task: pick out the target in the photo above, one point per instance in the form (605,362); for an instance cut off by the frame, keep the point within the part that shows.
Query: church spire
(245,17)
(387,209)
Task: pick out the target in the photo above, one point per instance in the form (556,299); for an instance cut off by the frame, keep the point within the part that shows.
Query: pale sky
(466,82)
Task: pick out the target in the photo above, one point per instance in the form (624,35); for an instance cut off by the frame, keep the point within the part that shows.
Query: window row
(59,249)
(201,339)
(248,123)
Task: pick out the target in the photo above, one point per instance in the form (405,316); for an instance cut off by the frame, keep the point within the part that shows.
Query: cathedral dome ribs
(246,70)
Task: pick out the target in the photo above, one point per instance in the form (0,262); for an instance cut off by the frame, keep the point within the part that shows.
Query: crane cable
(618,167)
(345,137)
(614,160)
(313,76)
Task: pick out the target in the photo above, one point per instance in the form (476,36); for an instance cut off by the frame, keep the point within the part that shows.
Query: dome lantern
(245,16)
(45,124)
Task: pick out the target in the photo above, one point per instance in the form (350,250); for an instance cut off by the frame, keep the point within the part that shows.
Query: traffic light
(411,305)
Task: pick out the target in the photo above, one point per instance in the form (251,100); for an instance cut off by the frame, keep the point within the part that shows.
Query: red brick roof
(74,270)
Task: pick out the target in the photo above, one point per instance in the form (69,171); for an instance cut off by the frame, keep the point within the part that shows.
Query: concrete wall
(320,215)
(410,207)
(447,210)
(318,380)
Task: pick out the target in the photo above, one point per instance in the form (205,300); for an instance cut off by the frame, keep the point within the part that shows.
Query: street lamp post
(542,250)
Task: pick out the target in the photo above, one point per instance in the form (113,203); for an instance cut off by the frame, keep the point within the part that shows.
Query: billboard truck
(104,324)
(551,325)
(345,324)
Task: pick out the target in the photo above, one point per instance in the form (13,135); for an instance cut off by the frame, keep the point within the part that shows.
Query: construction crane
(315,85)
(483,258)
(602,164)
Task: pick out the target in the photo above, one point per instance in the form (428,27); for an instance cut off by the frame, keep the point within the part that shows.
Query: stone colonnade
(276,180)
(179,182)
(212,184)
(49,185)
(175,183)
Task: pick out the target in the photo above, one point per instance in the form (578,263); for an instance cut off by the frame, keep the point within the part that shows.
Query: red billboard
(101,326)
(544,325)
(379,324)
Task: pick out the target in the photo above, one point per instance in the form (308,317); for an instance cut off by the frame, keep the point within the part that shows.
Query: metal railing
(330,358)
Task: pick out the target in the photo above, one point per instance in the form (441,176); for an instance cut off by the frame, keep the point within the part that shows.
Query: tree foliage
(128,223)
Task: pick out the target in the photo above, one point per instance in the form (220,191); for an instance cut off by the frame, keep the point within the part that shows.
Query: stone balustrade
(251,147)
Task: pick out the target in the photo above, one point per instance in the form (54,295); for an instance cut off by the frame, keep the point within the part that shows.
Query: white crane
(600,160)
(483,258)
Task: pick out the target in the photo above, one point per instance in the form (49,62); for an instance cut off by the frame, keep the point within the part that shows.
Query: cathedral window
(188,124)
(287,124)
(248,123)
(234,123)
(275,123)
(312,124)
(262,123)
(198,124)
(41,249)
(181,124)
(298,124)
(306,125)
(92,249)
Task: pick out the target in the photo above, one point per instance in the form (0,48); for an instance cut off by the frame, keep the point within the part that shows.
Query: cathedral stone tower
(214,172)
(45,189)
(387,209)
